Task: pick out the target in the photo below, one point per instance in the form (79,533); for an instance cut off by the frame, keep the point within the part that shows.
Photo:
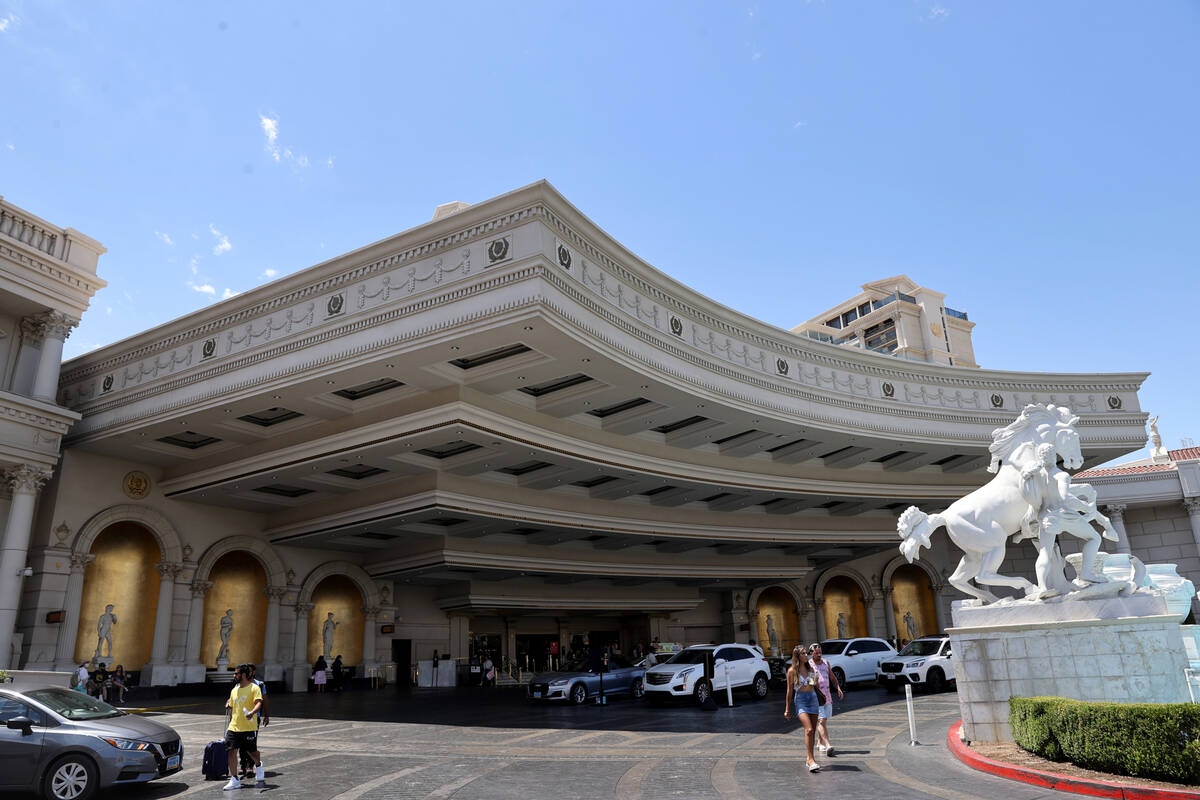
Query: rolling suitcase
(216,761)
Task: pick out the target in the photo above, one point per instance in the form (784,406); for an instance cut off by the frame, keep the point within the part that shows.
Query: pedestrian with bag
(320,674)
(802,693)
(825,676)
(244,703)
(264,719)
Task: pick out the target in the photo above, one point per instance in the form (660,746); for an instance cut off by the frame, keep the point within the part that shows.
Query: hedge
(1144,740)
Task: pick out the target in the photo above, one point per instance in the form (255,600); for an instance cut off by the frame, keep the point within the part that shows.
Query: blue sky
(1035,161)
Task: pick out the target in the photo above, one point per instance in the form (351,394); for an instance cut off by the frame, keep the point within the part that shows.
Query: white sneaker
(820,748)
(234,783)
(260,777)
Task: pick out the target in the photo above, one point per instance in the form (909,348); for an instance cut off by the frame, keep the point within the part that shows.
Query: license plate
(890,677)
(173,762)
(537,694)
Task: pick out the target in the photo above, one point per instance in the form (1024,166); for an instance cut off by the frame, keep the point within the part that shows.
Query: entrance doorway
(402,658)
(535,652)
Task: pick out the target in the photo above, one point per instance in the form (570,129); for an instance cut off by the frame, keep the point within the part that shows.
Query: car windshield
(578,665)
(688,657)
(73,705)
(922,647)
(832,648)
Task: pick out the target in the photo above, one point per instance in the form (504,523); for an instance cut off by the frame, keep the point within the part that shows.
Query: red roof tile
(1097,473)
(1184,453)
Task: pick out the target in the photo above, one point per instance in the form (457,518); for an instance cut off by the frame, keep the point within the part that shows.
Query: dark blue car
(577,683)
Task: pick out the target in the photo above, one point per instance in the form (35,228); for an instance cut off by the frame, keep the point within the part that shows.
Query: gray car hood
(127,726)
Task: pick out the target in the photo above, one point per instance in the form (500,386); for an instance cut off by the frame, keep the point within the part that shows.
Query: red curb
(1052,780)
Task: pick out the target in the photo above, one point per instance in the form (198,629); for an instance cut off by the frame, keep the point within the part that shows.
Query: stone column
(819,611)
(805,609)
(298,680)
(25,481)
(868,603)
(64,656)
(271,634)
(1116,515)
(1192,504)
(55,329)
(938,590)
(370,615)
(889,611)
(162,616)
(193,669)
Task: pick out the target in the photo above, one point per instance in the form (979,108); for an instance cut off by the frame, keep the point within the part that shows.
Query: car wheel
(578,694)
(840,674)
(702,692)
(935,680)
(72,777)
(637,690)
(760,687)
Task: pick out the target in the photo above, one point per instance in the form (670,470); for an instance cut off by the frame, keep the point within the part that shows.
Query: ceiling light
(453,347)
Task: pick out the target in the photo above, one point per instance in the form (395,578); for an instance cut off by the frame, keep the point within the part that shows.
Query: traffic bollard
(912,717)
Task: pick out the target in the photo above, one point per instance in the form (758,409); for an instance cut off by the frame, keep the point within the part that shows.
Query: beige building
(497,431)
(896,317)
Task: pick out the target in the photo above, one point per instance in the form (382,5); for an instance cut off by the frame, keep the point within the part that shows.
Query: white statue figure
(910,625)
(772,636)
(841,624)
(226,632)
(327,635)
(981,522)
(1155,437)
(104,631)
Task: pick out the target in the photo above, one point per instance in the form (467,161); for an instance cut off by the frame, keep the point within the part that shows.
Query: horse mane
(1005,440)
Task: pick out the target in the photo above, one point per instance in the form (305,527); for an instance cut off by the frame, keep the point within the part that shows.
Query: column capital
(886,591)
(168,570)
(1192,504)
(26,478)
(1115,509)
(870,598)
(275,593)
(371,612)
(304,609)
(818,602)
(53,324)
(200,588)
(80,561)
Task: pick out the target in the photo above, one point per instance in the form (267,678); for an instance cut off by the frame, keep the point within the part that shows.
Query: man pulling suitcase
(245,701)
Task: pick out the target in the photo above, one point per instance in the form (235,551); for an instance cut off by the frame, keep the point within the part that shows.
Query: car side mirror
(949,653)
(22,724)
(852,653)
(718,662)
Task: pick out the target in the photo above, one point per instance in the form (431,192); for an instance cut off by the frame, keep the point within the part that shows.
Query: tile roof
(1098,473)
(1184,454)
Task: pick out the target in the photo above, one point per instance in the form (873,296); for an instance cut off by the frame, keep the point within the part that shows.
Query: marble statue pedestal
(1095,650)
(161,674)
(297,677)
(194,673)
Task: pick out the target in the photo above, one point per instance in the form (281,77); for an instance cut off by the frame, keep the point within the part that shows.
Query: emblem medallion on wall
(935,329)
(136,484)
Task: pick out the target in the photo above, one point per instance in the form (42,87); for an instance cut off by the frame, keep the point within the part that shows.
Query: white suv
(855,659)
(925,661)
(682,675)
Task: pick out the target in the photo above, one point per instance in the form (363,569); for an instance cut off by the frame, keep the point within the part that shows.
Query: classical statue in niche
(104,631)
(772,636)
(327,634)
(910,625)
(225,633)
(1030,497)
(842,624)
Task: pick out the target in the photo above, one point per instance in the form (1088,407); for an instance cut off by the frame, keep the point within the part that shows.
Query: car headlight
(560,682)
(917,663)
(686,673)
(127,744)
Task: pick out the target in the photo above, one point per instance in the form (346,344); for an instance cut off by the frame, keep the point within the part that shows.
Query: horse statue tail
(915,528)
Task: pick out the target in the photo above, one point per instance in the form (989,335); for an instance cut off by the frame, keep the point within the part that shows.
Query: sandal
(814,767)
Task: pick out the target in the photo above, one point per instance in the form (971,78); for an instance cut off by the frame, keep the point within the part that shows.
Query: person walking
(339,674)
(319,674)
(244,703)
(825,676)
(264,718)
(489,671)
(802,692)
(82,676)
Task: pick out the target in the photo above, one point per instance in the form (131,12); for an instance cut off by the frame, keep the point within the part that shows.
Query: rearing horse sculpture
(981,522)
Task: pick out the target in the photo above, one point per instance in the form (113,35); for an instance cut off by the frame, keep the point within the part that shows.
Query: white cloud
(270,127)
(165,238)
(7,22)
(270,273)
(194,264)
(938,13)
(328,162)
(228,293)
(203,288)
(222,245)
(801,124)
(108,310)
(12,146)
(282,153)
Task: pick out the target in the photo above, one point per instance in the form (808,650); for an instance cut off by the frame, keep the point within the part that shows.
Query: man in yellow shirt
(245,701)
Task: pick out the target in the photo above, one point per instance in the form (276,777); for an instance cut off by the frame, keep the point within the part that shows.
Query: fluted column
(25,481)
(271,635)
(1192,504)
(55,328)
(370,614)
(868,603)
(938,590)
(300,646)
(165,612)
(889,611)
(819,609)
(1116,515)
(195,628)
(64,656)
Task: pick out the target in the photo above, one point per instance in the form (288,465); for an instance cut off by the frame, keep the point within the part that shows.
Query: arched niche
(122,575)
(169,544)
(844,604)
(778,621)
(239,583)
(258,549)
(337,594)
(913,602)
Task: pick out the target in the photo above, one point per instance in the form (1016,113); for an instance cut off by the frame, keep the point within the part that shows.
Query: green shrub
(1145,740)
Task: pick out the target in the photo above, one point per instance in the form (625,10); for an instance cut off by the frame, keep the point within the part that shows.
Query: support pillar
(370,634)
(25,481)
(1116,515)
(889,612)
(804,610)
(64,656)
(56,328)
(1192,504)
(819,610)
(869,602)
(157,672)
(272,670)
(193,669)
(938,590)
(298,678)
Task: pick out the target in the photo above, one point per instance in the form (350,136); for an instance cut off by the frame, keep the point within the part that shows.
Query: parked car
(66,745)
(855,659)
(683,674)
(577,682)
(927,661)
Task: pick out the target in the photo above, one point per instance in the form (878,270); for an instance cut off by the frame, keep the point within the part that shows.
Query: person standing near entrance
(802,691)
(339,674)
(825,676)
(489,671)
(244,703)
(264,718)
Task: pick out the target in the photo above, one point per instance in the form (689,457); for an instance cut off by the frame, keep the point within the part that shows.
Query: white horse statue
(981,522)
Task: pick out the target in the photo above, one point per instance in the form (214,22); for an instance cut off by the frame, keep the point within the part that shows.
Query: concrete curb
(1052,780)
